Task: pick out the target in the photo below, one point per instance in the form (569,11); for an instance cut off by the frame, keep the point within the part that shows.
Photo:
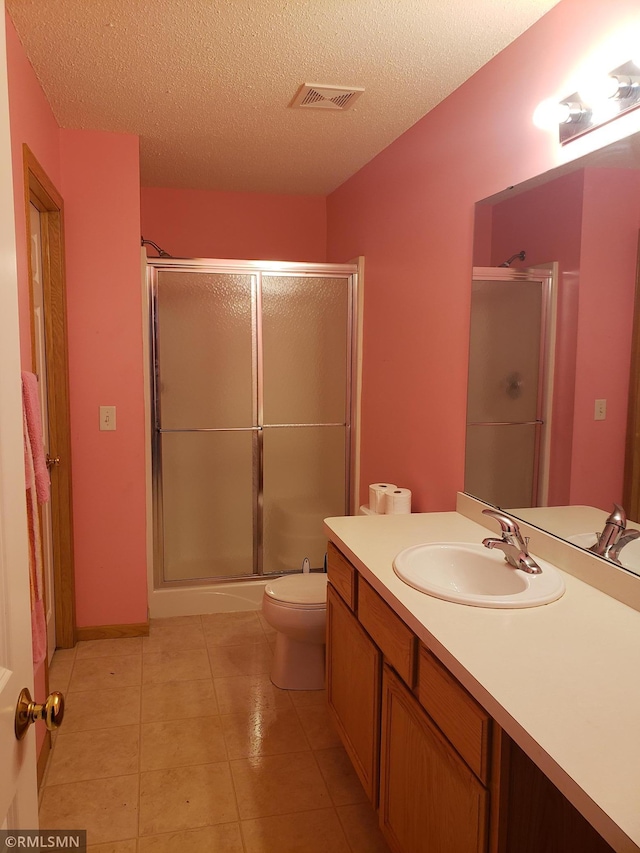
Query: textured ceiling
(206,84)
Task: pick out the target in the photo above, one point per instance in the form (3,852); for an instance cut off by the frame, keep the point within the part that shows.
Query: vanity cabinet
(442,774)
(429,798)
(430,801)
(354,666)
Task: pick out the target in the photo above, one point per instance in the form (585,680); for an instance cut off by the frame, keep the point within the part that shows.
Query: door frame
(631,488)
(40,191)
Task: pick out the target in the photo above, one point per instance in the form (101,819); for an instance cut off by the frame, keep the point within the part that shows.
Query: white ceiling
(206,84)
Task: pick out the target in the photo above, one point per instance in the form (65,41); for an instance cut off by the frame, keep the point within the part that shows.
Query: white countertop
(563,680)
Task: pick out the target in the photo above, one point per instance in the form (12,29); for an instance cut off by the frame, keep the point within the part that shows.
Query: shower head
(161,252)
(519,255)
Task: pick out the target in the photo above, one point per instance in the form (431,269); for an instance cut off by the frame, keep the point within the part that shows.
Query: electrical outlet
(600,411)
(107,417)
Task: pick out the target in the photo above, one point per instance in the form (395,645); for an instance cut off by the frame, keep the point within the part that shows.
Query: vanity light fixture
(597,102)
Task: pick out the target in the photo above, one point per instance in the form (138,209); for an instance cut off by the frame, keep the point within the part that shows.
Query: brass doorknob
(52,461)
(27,712)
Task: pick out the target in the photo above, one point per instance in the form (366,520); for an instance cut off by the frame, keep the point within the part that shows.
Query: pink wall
(253,226)
(546,222)
(410,212)
(611,219)
(100,181)
(98,177)
(32,122)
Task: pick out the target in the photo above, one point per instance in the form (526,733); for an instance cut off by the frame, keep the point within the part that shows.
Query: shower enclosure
(510,386)
(252,414)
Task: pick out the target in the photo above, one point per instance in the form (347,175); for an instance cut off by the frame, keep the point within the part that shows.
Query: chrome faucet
(614,535)
(512,544)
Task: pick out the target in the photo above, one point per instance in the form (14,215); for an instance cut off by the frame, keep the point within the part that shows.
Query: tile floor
(179,742)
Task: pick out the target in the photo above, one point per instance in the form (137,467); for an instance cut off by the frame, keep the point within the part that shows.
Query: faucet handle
(618,517)
(507,525)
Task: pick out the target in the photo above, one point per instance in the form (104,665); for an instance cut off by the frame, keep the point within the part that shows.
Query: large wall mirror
(551,345)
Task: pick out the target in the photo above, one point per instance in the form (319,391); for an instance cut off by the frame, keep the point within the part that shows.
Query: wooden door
(18,795)
(49,359)
(353,690)
(430,802)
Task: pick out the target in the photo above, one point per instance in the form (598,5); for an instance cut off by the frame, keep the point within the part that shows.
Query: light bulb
(549,114)
(598,89)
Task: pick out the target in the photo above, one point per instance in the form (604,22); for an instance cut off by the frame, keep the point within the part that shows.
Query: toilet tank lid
(308,588)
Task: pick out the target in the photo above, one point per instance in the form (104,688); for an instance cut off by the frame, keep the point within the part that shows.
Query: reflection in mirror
(581,220)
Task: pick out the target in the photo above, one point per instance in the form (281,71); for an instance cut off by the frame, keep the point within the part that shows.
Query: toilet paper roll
(377,491)
(397,502)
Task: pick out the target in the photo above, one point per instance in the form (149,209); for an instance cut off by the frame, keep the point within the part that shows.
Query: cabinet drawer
(396,642)
(342,575)
(465,723)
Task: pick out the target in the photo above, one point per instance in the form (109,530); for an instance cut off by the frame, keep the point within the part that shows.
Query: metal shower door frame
(256,270)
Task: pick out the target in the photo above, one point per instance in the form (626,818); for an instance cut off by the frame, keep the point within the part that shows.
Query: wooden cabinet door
(430,802)
(353,690)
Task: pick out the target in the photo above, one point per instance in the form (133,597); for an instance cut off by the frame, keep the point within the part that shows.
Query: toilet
(296,607)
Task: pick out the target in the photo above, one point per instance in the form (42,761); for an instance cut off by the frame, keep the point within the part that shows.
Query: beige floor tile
(108,648)
(304,698)
(268,731)
(65,654)
(233,629)
(174,638)
(189,665)
(174,621)
(178,700)
(112,708)
(360,824)
(94,755)
(254,659)
(103,673)
(340,777)
(60,673)
(306,832)
(177,743)
(129,846)
(186,798)
(106,808)
(269,631)
(224,838)
(246,693)
(278,784)
(318,726)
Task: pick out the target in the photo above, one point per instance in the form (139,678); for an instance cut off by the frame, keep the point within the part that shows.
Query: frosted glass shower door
(206,432)
(504,397)
(306,359)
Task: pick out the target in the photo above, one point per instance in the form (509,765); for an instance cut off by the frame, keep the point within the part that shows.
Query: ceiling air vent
(318,96)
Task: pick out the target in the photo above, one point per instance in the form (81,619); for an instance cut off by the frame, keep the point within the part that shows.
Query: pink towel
(31,402)
(37,490)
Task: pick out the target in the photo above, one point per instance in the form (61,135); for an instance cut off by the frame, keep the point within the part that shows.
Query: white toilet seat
(299,592)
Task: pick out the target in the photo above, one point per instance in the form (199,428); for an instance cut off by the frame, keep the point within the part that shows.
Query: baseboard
(112,632)
(43,757)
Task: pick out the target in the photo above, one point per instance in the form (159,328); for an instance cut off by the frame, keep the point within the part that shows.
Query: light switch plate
(600,410)
(107,417)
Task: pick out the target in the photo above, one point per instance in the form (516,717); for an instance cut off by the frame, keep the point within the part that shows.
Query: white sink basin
(629,556)
(469,573)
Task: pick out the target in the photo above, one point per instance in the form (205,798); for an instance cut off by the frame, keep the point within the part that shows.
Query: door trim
(40,191)
(631,489)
